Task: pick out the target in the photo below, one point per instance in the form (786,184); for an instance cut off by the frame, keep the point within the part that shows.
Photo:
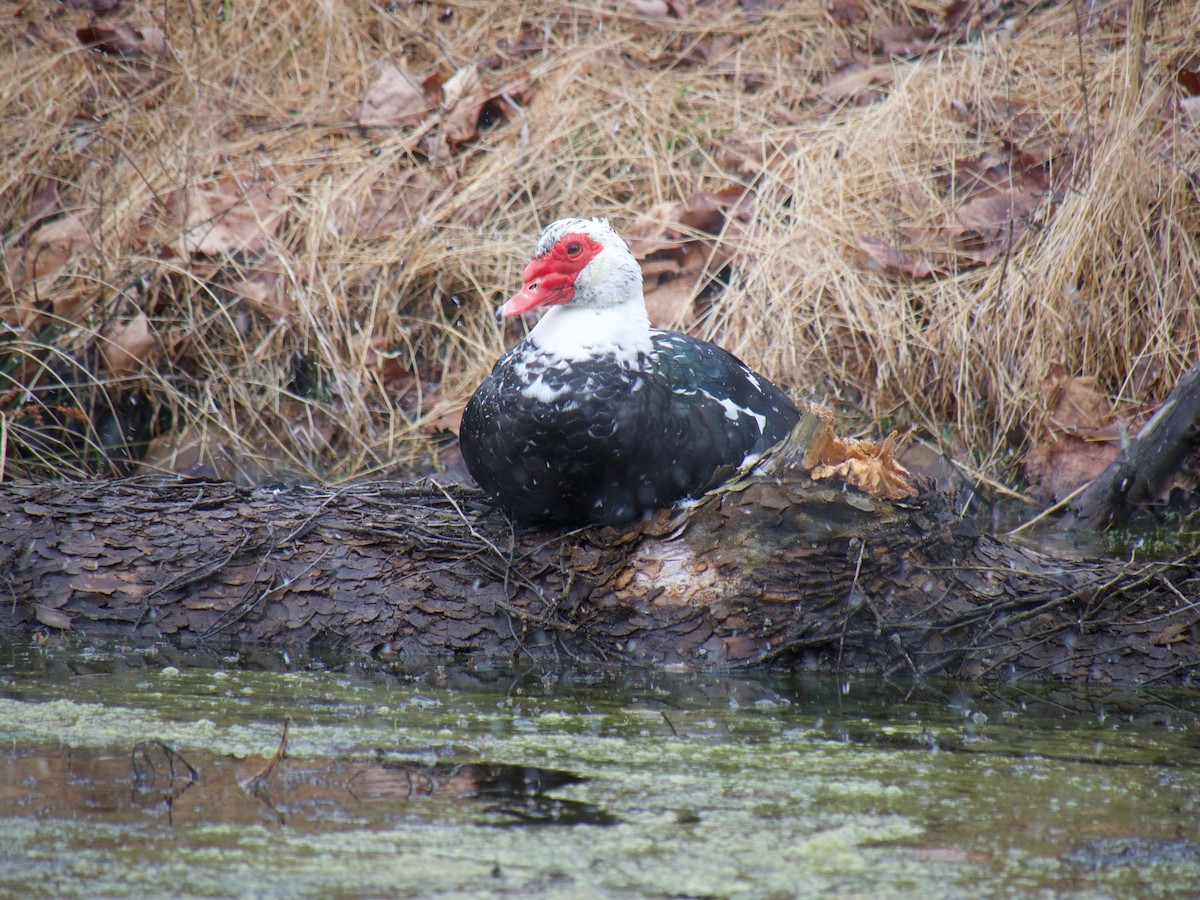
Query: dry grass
(622,113)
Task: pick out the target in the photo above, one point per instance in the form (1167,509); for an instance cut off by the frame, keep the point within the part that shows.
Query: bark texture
(778,570)
(1143,471)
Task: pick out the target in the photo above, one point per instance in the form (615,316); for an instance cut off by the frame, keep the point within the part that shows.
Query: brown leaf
(1190,107)
(1145,374)
(396,99)
(1172,634)
(904,41)
(997,219)
(128,347)
(265,289)
(676,244)
(121,39)
(859,81)
(992,211)
(1009,118)
(1083,434)
(192,451)
(753,155)
(1075,403)
(1061,463)
(444,417)
(669,300)
(394,201)
(846,12)
(48,249)
(397,380)
(464,96)
(893,260)
(231,213)
(964,178)
(867,465)
(1187,73)
(671,226)
(43,204)
(715,211)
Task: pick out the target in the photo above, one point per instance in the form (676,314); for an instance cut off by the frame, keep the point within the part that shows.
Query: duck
(595,417)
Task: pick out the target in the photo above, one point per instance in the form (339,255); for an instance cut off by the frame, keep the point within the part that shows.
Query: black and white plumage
(596,417)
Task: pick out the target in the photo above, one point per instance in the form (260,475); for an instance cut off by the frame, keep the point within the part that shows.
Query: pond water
(155,770)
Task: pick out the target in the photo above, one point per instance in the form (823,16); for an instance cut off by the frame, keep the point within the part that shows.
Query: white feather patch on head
(607,315)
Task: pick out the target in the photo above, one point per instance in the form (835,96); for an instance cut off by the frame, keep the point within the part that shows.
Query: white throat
(579,333)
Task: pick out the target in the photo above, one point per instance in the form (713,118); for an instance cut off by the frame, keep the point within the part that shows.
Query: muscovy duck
(596,417)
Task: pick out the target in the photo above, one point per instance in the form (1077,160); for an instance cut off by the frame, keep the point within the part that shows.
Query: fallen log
(777,569)
(1140,475)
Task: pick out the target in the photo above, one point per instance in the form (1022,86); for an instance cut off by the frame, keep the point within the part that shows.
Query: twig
(1050,509)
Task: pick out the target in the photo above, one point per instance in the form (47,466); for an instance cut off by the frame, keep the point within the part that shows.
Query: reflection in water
(175,767)
(155,782)
(159,775)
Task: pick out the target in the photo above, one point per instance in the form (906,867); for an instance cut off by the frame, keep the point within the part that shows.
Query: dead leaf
(754,155)
(996,221)
(138,43)
(1172,634)
(893,260)
(102,7)
(1074,402)
(396,99)
(904,41)
(1061,463)
(393,202)
(1147,370)
(681,245)
(1190,107)
(397,380)
(1187,73)
(1083,433)
(858,81)
(48,250)
(964,178)
(867,465)
(192,451)
(310,427)
(1014,121)
(672,226)
(1112,17)
(669,301)
(43,204)
(444,417)
(971,15)
(128,347)
(846,12)
(229,213)
(265,288)
(464,97)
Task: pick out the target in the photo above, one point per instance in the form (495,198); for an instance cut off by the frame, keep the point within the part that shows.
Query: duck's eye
(573,249)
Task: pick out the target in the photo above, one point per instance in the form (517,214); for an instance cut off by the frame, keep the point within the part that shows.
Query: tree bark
(1139,475)
(777,570)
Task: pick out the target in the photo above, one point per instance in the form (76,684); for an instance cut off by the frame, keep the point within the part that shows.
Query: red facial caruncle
(549,279)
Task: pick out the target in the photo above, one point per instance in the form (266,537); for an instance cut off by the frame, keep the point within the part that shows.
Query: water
(149,770)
